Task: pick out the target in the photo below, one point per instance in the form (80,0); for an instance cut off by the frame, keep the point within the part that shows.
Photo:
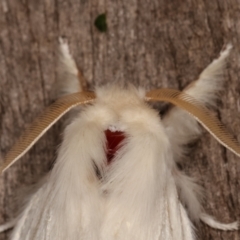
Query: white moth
(115,177)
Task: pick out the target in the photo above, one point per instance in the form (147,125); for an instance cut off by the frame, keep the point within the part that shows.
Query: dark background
(152,43)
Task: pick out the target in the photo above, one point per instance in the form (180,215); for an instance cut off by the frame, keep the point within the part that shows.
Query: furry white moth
(115,177)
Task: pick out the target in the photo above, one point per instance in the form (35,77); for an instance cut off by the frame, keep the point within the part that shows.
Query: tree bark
(151,43)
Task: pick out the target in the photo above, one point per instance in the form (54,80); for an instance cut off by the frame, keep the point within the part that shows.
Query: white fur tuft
(211,80)
(190,193)
(210,221)
(67,71)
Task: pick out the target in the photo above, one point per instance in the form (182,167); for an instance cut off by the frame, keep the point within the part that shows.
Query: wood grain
(151,43)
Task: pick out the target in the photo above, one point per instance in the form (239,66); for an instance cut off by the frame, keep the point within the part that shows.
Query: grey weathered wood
(152,43)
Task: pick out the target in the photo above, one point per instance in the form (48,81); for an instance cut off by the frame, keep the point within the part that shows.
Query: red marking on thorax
(113,143)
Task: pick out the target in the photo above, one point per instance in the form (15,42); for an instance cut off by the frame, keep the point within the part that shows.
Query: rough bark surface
(152,43)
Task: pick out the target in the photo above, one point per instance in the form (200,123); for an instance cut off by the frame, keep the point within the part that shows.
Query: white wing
(35,221)
(171,222)
(175,223)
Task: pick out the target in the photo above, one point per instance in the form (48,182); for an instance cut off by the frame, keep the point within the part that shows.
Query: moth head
(64,104)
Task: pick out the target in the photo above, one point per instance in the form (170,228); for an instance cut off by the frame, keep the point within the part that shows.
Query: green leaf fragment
(101,22)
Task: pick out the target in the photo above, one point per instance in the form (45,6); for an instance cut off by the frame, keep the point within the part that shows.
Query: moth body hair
(110,206)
